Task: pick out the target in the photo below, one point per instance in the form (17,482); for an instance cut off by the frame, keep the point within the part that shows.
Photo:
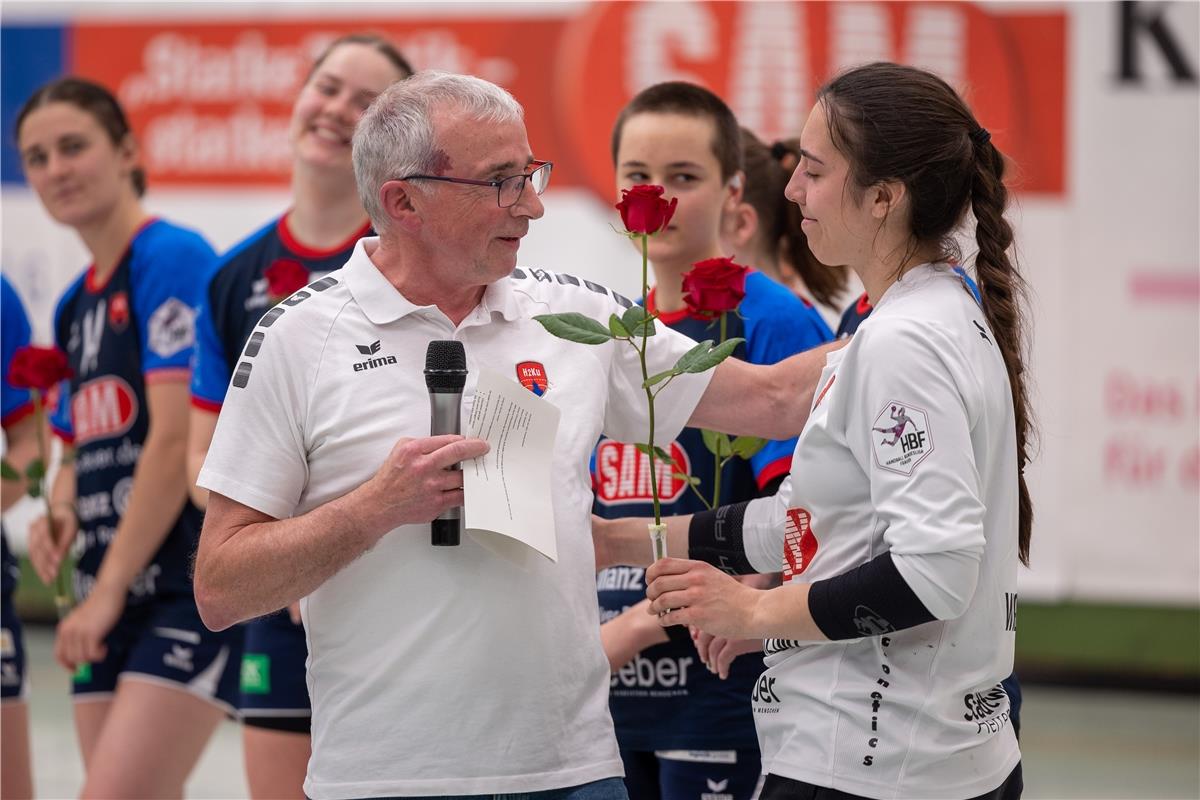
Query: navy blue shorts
(274,692)
(13,685)
(163,641)
(691,774)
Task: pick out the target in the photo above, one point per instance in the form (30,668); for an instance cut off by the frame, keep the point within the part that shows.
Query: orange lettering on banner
(210,102)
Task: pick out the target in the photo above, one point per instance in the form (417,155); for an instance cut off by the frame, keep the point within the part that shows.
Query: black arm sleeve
(716,537)
(870,600)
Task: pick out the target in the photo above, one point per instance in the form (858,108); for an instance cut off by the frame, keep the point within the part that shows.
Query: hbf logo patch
(799,543)
(900,437)
(532,375)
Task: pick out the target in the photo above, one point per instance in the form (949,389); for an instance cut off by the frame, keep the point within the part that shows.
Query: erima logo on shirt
(371,363)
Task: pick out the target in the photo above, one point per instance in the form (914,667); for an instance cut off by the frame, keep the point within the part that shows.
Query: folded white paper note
(508,490)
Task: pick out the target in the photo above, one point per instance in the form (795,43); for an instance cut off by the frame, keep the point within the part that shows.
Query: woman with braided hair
(895,624)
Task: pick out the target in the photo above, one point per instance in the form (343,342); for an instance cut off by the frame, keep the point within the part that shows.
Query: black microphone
(445,376)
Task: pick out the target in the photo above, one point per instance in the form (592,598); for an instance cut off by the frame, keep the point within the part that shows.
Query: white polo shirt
(439,670)
(910,448)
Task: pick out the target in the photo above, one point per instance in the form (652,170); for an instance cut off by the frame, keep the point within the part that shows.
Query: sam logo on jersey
(623,474)
(103,409)
(900,437)
(799,543)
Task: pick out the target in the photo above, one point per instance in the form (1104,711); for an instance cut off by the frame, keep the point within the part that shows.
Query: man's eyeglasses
(508,190)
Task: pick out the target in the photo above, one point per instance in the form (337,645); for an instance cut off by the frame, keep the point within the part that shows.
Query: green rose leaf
(575,327)
(717,443)
(34,490)
(9,472)
(36,470)
(638,322)
(663,455)
(659,378)
(617,328)
(704,356)
(746,446)
(683,476)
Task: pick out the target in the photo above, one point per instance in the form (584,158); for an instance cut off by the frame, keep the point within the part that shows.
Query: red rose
(38,368)
(285,277)
(714,286)
(643,209)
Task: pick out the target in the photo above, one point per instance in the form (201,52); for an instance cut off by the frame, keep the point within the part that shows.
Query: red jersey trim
(668,317)
(16,415)
(304,251)
(68,438)
(778,467)
(206,405)
(90,282)
(167,375)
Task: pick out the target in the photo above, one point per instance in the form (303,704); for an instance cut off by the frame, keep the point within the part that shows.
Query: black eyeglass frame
(496,184)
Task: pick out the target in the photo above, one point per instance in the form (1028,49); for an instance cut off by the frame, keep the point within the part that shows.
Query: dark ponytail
(1003,292)
(767,172)
(899,123)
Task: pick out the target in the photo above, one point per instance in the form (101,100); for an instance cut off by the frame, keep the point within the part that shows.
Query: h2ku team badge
(799,543)
(901,438)
(532,376)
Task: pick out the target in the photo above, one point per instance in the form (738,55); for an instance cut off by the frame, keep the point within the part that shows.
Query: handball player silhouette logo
(900,437)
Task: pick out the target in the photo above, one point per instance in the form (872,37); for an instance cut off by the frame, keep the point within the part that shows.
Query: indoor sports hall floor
(1077,743)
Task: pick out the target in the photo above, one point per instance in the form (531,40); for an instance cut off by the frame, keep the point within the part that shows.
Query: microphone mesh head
(445,365)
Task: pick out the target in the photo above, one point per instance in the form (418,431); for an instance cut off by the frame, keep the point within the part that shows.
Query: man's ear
(886,198)
(397,203)
(739,226)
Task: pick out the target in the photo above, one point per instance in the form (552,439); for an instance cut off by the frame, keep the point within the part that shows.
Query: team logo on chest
(799,543)
(118,311)
(900,437)
(623,474)
(532,375)
(103,409)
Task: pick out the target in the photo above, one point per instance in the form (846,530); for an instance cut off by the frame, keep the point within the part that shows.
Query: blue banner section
(29,56)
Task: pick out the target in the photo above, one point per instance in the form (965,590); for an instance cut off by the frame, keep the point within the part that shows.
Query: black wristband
(869,600)
(716,537)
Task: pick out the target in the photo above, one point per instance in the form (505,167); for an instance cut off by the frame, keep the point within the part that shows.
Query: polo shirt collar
(379,300)
(383,303)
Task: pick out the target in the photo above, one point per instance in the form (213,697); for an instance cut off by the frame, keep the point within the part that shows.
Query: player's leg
(273,703)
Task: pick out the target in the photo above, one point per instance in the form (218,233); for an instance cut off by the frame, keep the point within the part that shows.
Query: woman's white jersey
(910,448)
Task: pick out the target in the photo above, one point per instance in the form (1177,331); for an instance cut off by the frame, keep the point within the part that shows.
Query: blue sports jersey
(14,334)
(665,698)
(237,296)
(136,327)
(14,403)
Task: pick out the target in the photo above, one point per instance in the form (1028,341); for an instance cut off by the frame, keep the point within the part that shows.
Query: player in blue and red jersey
(20,448)
(686,731)
(314,237)
(150,681)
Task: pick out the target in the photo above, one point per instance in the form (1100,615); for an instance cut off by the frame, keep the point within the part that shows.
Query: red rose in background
(643,209)
(285,277)
(714,286)
(38,368)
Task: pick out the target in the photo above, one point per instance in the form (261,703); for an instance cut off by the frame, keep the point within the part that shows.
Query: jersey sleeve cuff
(167,374)
(773,471)
(238,491)
(206,405)
(16,415)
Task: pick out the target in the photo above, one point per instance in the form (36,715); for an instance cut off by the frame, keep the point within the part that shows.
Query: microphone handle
(445,410)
